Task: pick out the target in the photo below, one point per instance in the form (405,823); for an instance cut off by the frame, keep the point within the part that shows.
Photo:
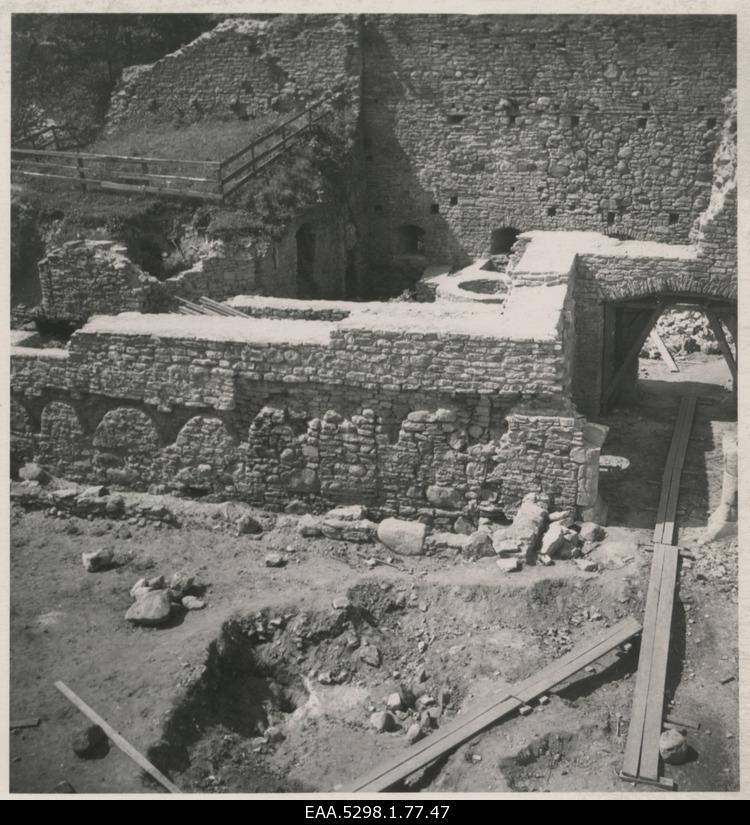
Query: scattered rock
(90,742)
(247,525)
(156,583)
(591,531)
(370,655)
(673,746)
(587,565)
(383,721)
(527,527)
(309,526)
(414,733)
(341,603)
(360,531)
(192,603)
(463,526)
(151,608)
(63,787)
(479,545)
(180,583)
(97,560)
(33,472)
(525,710)
(297,508)
(510,565)
(394,701)
(275,560)
(353,512)
(403,537)
(139,588)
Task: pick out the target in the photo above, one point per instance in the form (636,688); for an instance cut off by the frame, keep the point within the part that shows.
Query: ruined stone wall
(243,69)
(419,424)
(85,278)
(541,122)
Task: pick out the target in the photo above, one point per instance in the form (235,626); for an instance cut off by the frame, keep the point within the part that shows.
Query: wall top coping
(39,352)
(549,251)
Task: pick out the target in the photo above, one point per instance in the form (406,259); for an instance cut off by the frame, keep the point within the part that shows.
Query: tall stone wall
(541,122)
(243,69)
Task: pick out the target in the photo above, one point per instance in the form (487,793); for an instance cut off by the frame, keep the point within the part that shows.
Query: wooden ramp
(641,763)
(481,716)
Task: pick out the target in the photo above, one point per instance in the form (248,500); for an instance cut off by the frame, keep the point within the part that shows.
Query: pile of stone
(683,332)
(155,600)
(410,710)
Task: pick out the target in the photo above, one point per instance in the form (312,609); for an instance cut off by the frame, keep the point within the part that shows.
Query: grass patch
(194,141)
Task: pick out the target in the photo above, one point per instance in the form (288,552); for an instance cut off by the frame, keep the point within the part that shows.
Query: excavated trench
(284,700)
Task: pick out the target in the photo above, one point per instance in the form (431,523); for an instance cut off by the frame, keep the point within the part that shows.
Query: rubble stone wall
(418,424)
(535,122)
(85,278)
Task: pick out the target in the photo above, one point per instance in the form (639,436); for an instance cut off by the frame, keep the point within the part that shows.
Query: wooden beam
(118,740)
(664,530)
(477,718)
(632,354)
(666,355)
(721,338)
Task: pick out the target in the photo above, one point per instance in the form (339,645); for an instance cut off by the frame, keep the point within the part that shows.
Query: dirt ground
(271,655)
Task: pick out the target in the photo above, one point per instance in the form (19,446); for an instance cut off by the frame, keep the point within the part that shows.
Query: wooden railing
(207,180)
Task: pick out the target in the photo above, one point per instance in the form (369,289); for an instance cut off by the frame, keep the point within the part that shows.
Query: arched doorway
(409,240)
(503,240)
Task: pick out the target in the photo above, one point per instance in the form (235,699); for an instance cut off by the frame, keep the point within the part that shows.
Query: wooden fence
(206,180)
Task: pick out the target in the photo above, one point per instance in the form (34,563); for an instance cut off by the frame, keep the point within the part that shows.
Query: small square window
(512,120)
(454,200)
(641,123)
(645,106)
(552,211)
(711,123)
(456,120)
(673,218)
(434,208)
(575,120)
(610,218)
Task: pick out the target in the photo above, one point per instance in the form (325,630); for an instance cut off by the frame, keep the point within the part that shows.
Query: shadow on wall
(402,215)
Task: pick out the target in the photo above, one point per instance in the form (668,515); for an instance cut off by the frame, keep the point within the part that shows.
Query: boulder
(509,565)
(180,583)
(352,512)
(383,721)
(192,603)
(309,526)
(33,472)
(97,560)
(673,746)
(247,525)
(370,655)
(403,537)
(360,531)
(90,742)
(151,608)
(479,545)
(591,531)
(275,560)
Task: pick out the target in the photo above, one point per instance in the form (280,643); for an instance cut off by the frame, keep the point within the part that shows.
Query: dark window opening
(409,240)
(552,211)
(575,120)
(456,120)
(443,46)
(673,218)
(641,123)
(710,122)
(532,46)
(434,208)
(610,218)
(669,44)
(645,106)
(512,188)
(512,120)
(503,240)
(454,200)
(305,237)
(700,109)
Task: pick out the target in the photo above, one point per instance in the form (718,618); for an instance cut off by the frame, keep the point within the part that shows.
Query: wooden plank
(632,354)
(186,193)
(118,740)
(73,179)
(649,763)
(17,724)
(666,479)
(477,718)
(124,175)
(664,531)
(22,163)
(125,158)
(721,339)
(666,355)
(632,758)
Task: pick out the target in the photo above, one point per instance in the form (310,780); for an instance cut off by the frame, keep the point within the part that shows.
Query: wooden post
(81,174)
(718,331)
(54,138)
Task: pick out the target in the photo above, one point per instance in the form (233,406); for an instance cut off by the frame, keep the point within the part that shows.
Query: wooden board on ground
(118,740)
(666,355)
(479,717)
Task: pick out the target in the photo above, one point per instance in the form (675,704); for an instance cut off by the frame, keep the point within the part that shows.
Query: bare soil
(270,654)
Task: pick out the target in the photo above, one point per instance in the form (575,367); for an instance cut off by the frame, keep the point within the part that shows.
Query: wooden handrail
(125,158)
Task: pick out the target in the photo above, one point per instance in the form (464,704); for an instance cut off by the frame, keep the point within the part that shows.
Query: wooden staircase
(169,177)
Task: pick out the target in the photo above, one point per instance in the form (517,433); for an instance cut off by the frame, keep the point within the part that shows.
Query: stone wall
(84,278)
(541,122)
(243,69)
(416,422)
